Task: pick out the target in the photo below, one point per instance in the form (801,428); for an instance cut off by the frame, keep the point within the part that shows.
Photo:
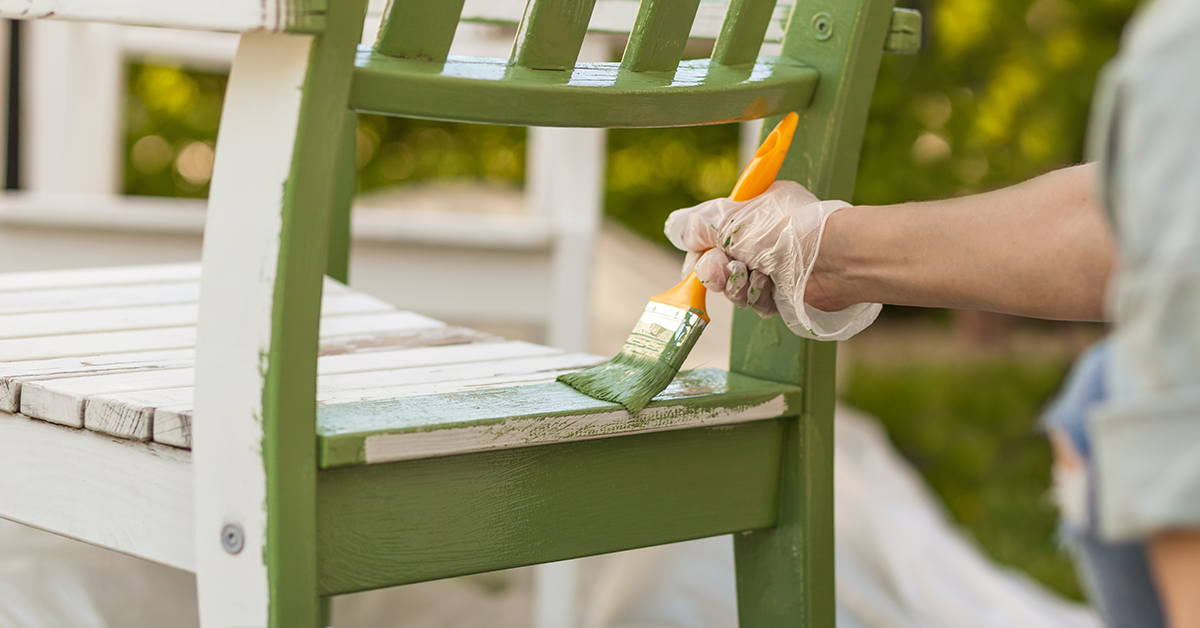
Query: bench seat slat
(391,385)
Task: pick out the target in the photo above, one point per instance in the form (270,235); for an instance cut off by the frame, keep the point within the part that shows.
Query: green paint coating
(385,525)
(337,264)
(904,33)
(289,394)
(656,348)
(786,574)
(551,33)
(659,35)
(468,89)
(343,429)
(304,16)
(742,33)
(419,29)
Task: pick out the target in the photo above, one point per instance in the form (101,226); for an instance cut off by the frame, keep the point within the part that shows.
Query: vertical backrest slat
(551,34)
(743,31)
(419,29)
(659,35)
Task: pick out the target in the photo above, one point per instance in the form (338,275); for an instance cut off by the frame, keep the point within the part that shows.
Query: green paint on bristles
(651,357)
(630,380)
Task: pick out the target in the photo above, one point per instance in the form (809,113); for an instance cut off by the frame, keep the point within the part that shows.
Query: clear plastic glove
(761,252)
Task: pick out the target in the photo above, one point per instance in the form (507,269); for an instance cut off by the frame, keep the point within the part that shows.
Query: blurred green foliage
(652,172)
(970,427)
(171,118)
(999,93)
(390,151)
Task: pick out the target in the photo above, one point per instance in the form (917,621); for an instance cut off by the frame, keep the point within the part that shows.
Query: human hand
(760,253)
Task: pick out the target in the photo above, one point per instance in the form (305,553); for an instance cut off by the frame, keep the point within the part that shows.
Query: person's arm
(1175,561)
(1041,248)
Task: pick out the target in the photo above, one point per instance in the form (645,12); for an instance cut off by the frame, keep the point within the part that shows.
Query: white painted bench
(96,399)
(338,445)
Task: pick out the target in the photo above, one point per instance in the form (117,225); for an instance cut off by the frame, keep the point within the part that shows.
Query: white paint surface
(241,256)
(558,429)
(216,15)
(131,497)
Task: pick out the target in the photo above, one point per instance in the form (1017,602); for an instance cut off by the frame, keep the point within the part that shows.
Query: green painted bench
(290,440)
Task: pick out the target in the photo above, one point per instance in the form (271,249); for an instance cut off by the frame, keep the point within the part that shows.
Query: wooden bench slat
(742,32)
(81,345)
(551,34)
(353,327)
(175,424)
(152,316)
(14,375)
(419,29)
(95,277)
(619,16)
(476,420)
(132,414)
(62,400)
(658,37)
(92,298)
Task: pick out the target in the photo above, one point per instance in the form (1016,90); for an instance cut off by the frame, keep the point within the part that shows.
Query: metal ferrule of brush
(665,333)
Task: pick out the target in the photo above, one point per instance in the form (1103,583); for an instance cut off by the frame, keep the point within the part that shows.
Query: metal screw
(822,26)
(232,538)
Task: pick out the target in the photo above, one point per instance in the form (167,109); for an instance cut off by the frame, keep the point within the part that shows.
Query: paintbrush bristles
(647,363)
(629,380)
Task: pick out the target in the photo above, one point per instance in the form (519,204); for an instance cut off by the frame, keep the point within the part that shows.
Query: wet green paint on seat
(511,414)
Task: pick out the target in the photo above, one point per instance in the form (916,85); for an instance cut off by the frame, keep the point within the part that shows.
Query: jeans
(1115,576)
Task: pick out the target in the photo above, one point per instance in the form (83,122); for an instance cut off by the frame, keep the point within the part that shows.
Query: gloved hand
(761,252)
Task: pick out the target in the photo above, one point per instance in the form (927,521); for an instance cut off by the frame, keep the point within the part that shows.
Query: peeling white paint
(524,432)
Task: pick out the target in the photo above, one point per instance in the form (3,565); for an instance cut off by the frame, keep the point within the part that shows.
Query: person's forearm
(1175,562)
(1041,249)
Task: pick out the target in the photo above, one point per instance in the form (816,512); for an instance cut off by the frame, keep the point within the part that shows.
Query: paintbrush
(674,320)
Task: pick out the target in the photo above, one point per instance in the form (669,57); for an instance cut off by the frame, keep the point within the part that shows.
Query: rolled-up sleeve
(1146,438)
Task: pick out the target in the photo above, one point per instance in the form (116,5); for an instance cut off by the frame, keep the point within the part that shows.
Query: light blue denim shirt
(1145,132)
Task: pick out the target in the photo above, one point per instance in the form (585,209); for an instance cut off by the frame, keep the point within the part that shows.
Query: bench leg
(785,575)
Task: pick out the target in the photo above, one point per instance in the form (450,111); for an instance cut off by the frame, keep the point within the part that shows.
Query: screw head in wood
(822,26)
(232,538)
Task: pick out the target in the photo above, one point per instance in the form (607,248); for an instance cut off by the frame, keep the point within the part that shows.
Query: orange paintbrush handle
(759,174)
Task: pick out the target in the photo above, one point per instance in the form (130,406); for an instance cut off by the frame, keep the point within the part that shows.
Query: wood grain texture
(592,95)
(132,414)
(342,382)
(172,424)
(419,29)
(475,420)
(742,32)
(551,33)
(13,375)
(659,35)
(132,497)
(384,525)
(62,400)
